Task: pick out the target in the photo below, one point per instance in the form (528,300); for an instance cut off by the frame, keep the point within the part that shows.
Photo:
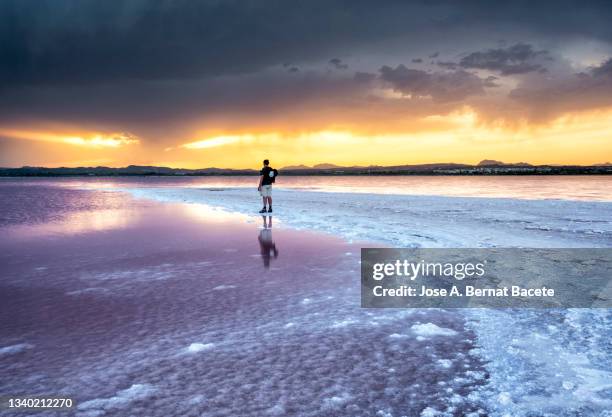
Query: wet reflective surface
(140,308)
(566,187)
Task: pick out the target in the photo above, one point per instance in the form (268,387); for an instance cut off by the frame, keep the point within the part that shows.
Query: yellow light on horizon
(462,136)
(464,118)
(325,136)
(102,141)
(224,140)
(95,140)
(215,141)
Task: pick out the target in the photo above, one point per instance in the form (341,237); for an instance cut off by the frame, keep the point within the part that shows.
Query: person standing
(267,176)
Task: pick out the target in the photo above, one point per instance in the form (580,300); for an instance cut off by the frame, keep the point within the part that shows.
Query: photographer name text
(468,291)
(410,271)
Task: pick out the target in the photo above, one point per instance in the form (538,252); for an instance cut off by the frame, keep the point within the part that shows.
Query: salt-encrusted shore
(422,221)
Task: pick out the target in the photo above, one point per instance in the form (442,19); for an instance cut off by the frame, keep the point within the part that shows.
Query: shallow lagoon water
(132,306)
(545,187)
(136,307)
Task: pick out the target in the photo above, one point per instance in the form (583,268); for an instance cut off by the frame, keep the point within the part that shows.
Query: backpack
(273,174)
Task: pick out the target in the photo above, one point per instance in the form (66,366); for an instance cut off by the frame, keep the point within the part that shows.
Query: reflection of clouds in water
(204,212)
(595,188)
(79,222)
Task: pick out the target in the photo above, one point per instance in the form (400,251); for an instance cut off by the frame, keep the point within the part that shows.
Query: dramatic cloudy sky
(226,83)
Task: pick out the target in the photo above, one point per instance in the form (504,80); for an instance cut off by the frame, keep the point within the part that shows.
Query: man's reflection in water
(266,244)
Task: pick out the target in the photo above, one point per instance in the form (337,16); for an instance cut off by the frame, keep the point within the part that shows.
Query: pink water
(571,187)
(132,307)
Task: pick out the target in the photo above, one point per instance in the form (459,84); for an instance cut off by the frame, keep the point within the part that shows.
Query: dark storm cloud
(155,62)
(417,60)
(338,64)
(442,87)
(48,41)
(290,68)
(153,108)
(542,98)
(89,41)
(516,59)
(447,65)
(364,77)
(604,70)
(490,81)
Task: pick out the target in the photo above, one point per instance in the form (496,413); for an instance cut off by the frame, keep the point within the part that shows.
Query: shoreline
(418,221)
(570,188)
(576,173)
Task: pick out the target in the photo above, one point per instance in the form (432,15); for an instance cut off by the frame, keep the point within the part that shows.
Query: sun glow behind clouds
(460,136)
(216,141)
(93,140)
(331,137)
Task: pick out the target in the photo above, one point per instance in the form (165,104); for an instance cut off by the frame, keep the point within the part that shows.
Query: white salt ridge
(337,401)
(14,349)
(197,399)
(199,347)
(430,330)
(223,287)
(120,400)
(445,363)
(277,410)
(92,290)
(157,273)
(343,323)
(545,362)
(431,412)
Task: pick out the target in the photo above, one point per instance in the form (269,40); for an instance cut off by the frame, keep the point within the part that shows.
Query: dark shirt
(267,180)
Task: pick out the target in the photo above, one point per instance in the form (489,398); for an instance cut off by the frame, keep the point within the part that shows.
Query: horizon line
(321,166)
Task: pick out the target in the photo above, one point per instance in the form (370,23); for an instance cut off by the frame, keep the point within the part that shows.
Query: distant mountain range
(484,167)
(318,166)
(492,163)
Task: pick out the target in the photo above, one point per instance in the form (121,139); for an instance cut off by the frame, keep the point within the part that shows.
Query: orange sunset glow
(396,94)
(576,138)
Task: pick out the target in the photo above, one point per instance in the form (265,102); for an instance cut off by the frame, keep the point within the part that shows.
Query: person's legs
(265,194)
